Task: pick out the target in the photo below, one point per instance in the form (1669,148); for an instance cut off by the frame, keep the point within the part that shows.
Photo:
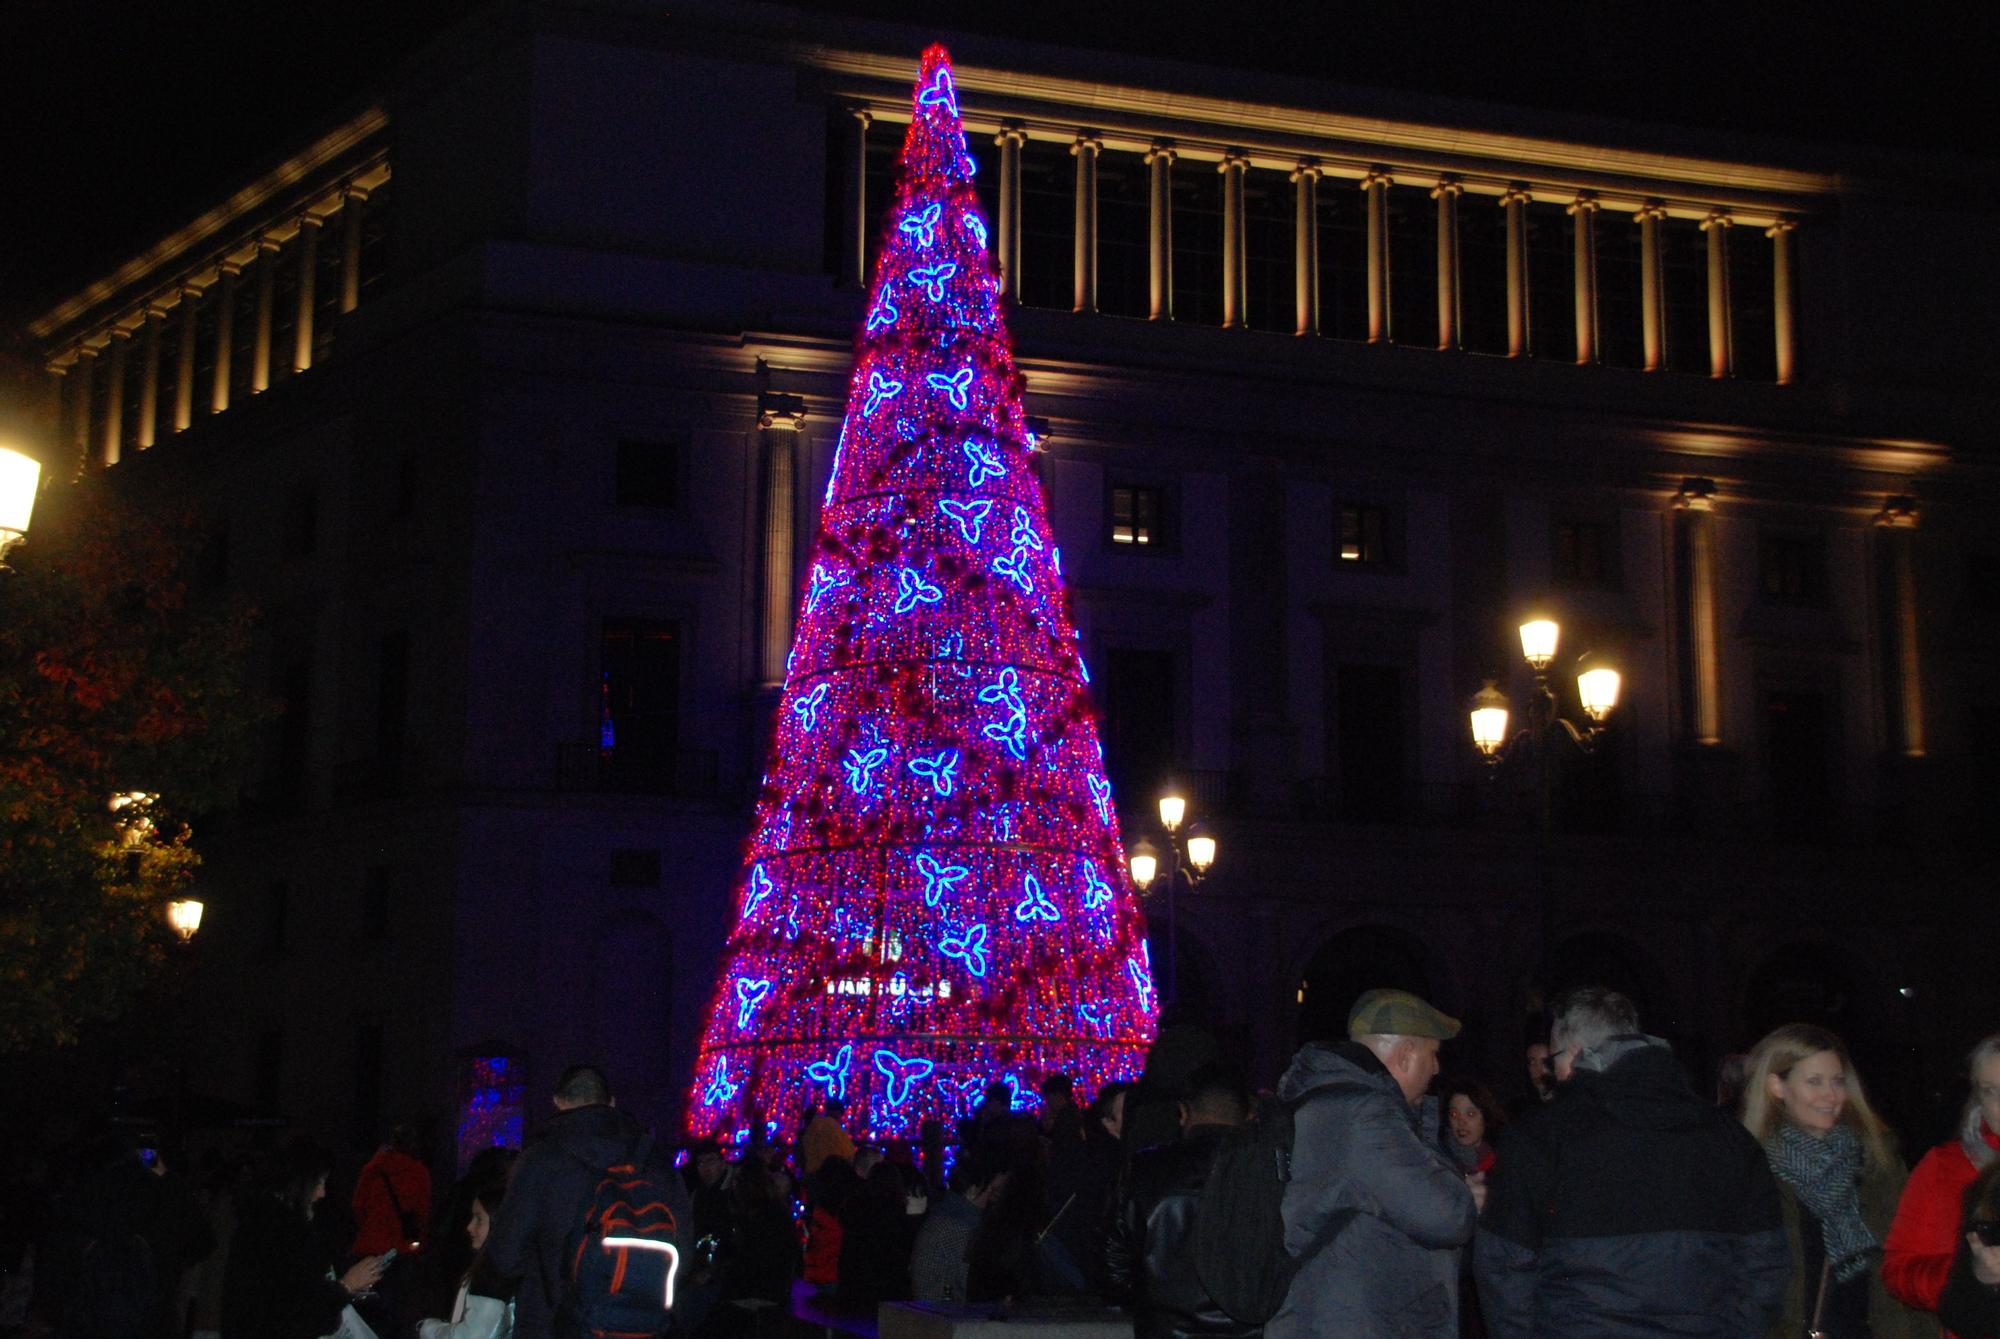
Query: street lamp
(184,914)
(1548,739)
(20,477)
(1190,853)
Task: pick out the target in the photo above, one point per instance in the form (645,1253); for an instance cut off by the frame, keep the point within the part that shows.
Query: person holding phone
(279,1283)
(1926,1236)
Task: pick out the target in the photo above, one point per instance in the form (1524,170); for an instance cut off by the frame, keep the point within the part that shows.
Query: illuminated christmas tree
(934,896)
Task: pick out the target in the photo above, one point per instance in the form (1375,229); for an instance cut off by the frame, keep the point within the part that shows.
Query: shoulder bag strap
(1819,1304)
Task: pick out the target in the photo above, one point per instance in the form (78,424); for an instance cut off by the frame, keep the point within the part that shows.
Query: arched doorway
(1364,958)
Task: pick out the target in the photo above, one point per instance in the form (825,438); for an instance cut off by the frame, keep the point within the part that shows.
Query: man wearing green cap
(1374,1213)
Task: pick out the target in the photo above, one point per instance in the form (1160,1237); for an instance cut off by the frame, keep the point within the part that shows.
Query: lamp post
(20,478)
(1552,741)
(1190,852)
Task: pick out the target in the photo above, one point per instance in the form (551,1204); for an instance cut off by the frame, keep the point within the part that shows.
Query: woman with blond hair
(1925,1236)
(1838,1175)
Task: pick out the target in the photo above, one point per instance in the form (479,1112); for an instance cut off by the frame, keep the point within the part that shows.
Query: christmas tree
(934,895)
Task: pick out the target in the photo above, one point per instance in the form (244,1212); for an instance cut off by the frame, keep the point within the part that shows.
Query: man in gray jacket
(1374,1213)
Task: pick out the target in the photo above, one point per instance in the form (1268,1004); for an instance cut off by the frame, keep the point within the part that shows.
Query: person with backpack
(1151,1259)
(592,1222)
(1375,1213)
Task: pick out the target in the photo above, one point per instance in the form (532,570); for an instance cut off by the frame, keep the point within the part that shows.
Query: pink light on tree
(934,896)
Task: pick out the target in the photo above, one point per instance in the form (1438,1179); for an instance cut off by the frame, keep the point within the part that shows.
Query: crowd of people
(1368,1195)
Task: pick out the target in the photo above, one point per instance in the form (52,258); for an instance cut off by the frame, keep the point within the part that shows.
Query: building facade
(513,398)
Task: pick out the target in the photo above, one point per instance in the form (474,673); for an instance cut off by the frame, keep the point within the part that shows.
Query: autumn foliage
(120,670)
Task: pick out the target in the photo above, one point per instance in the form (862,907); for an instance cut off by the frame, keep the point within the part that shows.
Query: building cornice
(1131,118)
(350,156)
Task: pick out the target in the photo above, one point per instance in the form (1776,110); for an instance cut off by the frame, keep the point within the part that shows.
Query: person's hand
(1985,1261)
(363,1274)
(1477,1181)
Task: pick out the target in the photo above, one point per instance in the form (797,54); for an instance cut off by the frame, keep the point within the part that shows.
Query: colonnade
(1452,193)
(163,331)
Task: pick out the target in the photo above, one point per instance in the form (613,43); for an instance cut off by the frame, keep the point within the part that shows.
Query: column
(856,268)
(146,430)
(1721,346)
(1160,237)
(355,200)
(190,310)
(79,414)
(1085,151)
(1784,297)
(1515,202)
(1896,531)
(302,344)
(225,333)
(1010,139)
(1652,285)
(1701,706)
(1305,243)
(114,397)
(58,410)
(1446,193)
(1377,184)
(267,279)
(1584,210)
(1235,265)
(779,418)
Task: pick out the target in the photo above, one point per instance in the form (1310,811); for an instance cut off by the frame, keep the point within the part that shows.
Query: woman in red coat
(1924,1237)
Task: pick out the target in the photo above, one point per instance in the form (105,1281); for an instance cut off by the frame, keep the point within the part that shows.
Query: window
(302,524)
(1197,250)
(1368,743)
(1140,735)
(1551,282)
(1585,554)
(377,885)
(291,738)
(1048,225)
(277,914)
(639,721)
(1124,235)
(403,486)
(1482,275)
(368,1047)
(1791,569)
(267,1080)
(1270,251)
(1136,516)
(1364,535)
(1797,761)
(392,695)
(1413,266)
(635,868)
(649,473)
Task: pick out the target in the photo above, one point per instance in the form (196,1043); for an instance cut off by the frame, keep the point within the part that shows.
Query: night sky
(119,120)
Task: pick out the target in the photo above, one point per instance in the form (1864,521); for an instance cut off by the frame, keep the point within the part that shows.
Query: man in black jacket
(1628,1206)
(1149,1260)
(554,1182)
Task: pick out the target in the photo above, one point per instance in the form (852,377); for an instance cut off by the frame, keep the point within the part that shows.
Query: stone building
(512,399)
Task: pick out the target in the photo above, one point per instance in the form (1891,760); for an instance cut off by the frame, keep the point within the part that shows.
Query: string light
(934,817)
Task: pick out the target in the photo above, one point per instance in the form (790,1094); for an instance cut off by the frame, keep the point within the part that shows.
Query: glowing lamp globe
(1597,688)
(1144,864)
(1489,720)
(1538,642)
(184,916)
(1173,808)
(20,478)
(1201,851)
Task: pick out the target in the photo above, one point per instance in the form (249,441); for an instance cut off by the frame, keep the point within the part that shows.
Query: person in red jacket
(1924,1237)
(392,1197)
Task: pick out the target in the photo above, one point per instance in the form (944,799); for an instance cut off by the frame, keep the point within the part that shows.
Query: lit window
(1135,516)
(1363,535)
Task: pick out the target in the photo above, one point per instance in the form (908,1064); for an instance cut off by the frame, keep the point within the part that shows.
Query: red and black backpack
(622,1260)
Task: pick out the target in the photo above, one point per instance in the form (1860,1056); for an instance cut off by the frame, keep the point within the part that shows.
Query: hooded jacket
(553,1184)
(1374,1212)
(1630,1207)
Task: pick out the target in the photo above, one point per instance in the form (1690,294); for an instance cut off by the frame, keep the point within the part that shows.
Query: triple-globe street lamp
(1549,741)
(1190,852)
